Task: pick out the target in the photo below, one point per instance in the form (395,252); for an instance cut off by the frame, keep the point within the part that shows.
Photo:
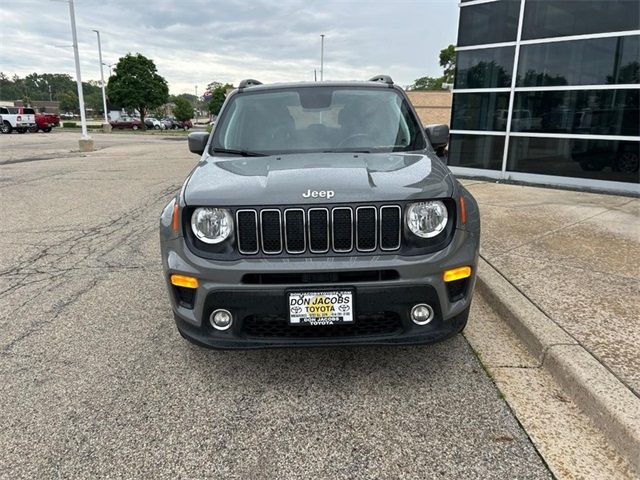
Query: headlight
(211,225)
(427,219)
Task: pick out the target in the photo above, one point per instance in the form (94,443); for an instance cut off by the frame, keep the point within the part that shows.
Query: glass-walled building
(547,91)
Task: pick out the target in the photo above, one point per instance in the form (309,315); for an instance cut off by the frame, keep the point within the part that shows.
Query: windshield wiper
(242,153)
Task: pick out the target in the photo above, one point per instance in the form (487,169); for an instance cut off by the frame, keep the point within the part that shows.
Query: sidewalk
(576,256)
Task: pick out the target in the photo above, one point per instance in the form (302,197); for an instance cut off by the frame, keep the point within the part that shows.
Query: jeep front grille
(319,230)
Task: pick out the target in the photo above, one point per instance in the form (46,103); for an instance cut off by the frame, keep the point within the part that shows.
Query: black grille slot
(271,231)
(185,296)
(274,326)
(366,228)
(318,230)
(342,229)
(390,219)
(294,231)
(320,277)
(247,231)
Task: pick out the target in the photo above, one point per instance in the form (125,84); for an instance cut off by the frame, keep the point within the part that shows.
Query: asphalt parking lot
(95,381)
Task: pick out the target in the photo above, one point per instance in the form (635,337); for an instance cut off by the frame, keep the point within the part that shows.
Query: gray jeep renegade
(319,214)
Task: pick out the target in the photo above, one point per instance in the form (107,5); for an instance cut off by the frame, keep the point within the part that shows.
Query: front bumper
(383,303)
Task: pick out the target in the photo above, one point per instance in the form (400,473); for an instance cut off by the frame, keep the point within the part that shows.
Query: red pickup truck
(45,122)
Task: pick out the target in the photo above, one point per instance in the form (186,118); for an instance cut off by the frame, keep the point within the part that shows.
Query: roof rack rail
(382,78)
(249,82)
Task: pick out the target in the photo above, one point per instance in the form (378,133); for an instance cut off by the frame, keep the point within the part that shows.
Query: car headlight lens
(427,219)
(211,225)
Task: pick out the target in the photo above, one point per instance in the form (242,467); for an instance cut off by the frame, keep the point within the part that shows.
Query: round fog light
(221,319)
(421,314)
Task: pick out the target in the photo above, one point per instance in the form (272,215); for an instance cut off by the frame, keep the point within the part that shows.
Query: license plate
(321,308)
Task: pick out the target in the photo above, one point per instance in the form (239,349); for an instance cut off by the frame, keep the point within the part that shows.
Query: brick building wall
(432,106)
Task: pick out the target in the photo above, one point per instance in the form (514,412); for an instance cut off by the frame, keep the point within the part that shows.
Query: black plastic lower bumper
(382,316)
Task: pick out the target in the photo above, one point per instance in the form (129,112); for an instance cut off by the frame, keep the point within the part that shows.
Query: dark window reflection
(595,112)
(489,23)
(480,111)
(598,61)
(484,68)
(476,151)
(597,159)
(555,18)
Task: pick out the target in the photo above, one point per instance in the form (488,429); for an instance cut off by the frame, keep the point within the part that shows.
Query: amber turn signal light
(184,281)
(456,274)
(174,220)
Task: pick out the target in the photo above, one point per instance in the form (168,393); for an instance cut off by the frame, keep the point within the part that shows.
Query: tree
(69,102)
(93,101)
(448,62)
(188,96)
(136,84)
(218,96)
(8,89)
(183,109)
(427,83)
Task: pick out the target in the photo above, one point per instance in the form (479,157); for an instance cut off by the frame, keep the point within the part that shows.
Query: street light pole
(322,57)
(104,95)
(86,144)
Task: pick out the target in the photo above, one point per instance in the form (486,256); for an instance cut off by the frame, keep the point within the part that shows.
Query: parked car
(185,125)
(168,123)
(45,122)
(154,123)
(598,154)
(340,229)
(126,122)
(19,119)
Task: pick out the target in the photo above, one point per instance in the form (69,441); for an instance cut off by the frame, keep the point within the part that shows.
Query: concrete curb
(606,400)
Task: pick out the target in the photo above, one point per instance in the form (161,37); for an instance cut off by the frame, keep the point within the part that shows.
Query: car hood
(291,179)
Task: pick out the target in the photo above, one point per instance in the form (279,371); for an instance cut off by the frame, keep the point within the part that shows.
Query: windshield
(318,119)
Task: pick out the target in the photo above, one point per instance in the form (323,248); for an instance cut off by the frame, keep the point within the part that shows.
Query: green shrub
(209,128)
(69,124)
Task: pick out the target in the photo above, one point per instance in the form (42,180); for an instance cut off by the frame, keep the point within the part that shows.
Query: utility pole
(50,96)
(321,57)
(106,127)
(85,142)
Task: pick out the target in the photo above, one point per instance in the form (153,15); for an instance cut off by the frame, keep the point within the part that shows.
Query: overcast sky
(194,42)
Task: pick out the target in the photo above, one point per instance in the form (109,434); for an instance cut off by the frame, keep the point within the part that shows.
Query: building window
(597,61)
(556,18)
(595,159)
(484,68)
(491,22)
(476,151)
(480,111)
(592,112)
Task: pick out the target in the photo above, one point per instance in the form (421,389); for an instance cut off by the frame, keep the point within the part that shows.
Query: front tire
(627,162)
(135,127)
(21,130)
(46,130)
(34,129)
(156,127)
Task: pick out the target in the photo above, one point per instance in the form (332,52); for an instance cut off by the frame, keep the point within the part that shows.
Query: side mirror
(438,135)
(198,142)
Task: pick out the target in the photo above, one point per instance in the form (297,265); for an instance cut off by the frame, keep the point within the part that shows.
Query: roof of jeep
(354,83)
